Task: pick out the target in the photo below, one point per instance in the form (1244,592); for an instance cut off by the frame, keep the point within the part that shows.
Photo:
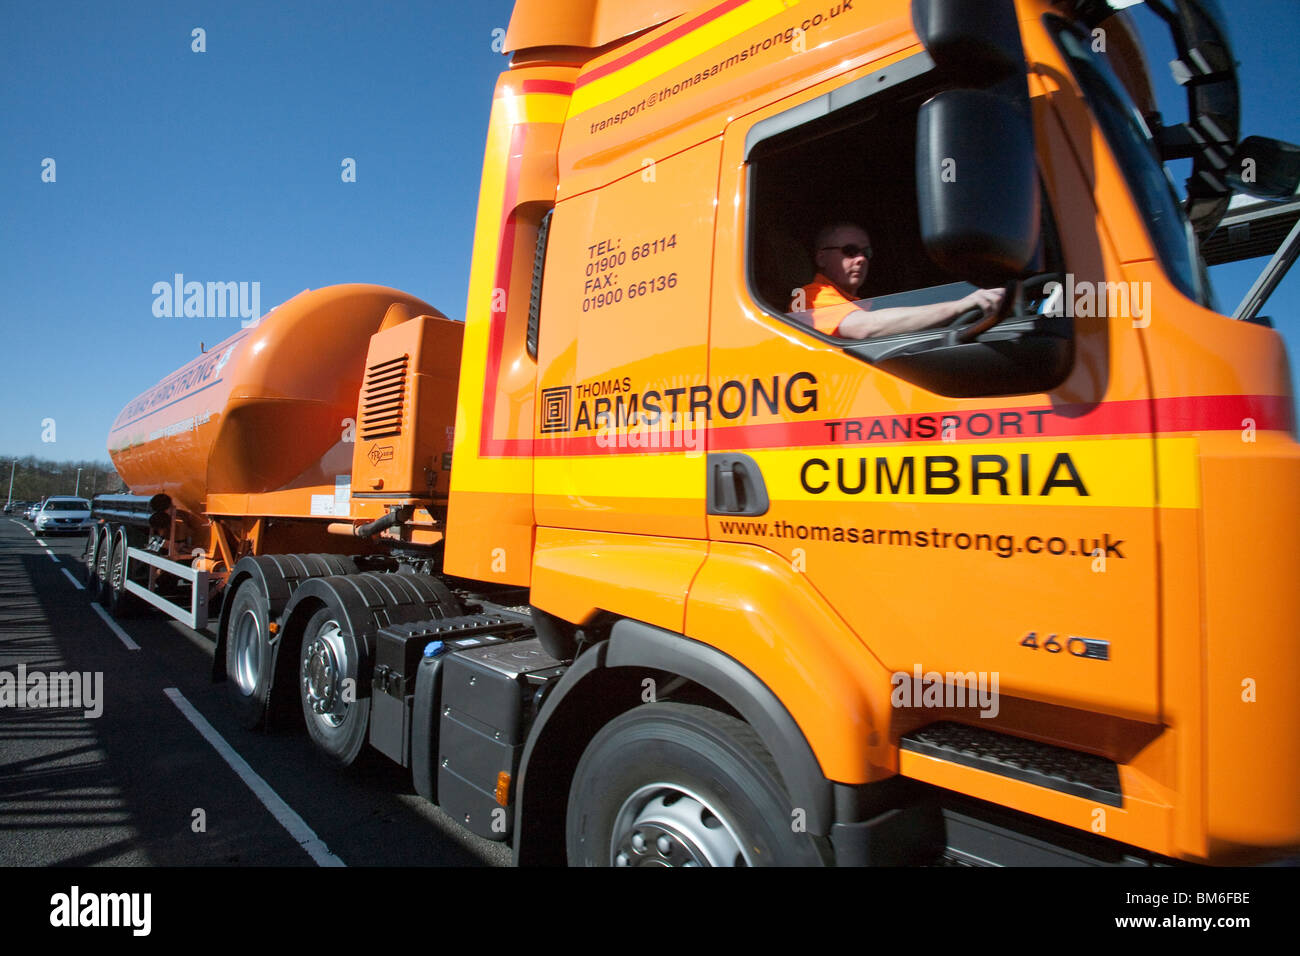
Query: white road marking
(75,583)
(112,626)
(54,557)
(283,813)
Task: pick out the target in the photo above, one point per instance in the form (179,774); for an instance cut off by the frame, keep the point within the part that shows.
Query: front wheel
(681,785)
(335,702)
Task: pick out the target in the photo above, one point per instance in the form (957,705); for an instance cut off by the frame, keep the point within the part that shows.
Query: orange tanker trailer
(248,451)
(271,410)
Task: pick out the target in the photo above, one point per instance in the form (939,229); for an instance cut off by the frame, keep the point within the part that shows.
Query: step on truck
(712,536)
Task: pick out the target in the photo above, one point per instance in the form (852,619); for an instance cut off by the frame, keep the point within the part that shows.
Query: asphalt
(138,784)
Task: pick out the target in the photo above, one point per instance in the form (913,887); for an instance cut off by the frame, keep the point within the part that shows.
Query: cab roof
(586,23)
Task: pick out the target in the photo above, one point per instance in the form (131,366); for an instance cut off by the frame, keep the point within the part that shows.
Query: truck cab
(1048,507)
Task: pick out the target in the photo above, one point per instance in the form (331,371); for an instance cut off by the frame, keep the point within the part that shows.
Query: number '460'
(1078,646)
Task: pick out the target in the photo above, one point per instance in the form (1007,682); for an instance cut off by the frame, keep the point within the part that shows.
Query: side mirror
(977,43)
(1265,168)
(977,185)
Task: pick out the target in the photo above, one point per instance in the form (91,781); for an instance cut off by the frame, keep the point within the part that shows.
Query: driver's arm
(879,322)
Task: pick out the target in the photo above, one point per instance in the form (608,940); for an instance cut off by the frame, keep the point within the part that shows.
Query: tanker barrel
(397,314)
(261,411)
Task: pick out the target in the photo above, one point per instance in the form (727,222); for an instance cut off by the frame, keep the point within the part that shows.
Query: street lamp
(12,469)
(77,493)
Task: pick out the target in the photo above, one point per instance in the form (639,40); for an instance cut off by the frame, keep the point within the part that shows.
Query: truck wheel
(335,704)
(91,558)
(681,785)
(249,668)
(103,566)
(121,603)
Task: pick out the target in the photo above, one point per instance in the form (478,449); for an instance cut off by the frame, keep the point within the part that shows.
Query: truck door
(998,524)
(622,352)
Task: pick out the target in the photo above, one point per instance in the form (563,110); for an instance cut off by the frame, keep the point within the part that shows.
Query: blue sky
(225,166)
(1265,36)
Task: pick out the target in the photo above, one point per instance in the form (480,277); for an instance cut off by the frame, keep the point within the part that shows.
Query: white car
(63,513)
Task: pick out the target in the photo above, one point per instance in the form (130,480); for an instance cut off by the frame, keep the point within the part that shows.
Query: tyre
(681,785)
(103,559)
(91,559)
(121,603)
(335,698)
(250,668)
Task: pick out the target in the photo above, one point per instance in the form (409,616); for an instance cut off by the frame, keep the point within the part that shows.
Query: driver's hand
(988,301)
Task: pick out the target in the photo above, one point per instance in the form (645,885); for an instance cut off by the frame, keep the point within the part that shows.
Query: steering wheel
(972,323)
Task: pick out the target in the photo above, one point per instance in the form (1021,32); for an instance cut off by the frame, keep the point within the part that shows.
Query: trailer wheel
(335,704)
(91,558)
(103,565)
(250,671)
(121,603)
(681,785)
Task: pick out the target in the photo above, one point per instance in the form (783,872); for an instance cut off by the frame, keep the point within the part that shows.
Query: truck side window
(833,202)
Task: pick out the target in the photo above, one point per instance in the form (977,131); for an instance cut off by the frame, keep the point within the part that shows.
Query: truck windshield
(1131,142)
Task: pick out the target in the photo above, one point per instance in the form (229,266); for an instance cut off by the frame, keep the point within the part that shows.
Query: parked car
(63,513)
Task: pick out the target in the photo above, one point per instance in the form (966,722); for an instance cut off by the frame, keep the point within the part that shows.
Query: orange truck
(646,562)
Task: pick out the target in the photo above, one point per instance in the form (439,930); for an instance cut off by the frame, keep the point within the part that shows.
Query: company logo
(609,406)
(380,453)
(556,408)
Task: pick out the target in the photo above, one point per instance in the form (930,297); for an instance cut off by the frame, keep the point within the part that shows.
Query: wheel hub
(248,652)
(666,825)
(323,670)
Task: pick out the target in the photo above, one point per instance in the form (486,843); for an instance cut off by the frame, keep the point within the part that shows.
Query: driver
(842,251)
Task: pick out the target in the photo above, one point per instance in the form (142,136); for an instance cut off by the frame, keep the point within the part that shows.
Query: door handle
(736,485)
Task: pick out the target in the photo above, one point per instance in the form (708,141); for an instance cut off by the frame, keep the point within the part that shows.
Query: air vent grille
(383,399)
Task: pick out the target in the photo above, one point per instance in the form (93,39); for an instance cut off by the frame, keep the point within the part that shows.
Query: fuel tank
(268,409)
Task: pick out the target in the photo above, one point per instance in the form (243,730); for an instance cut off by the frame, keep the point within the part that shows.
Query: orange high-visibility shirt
(826,304)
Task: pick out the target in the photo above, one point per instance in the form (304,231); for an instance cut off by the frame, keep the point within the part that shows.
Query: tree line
(36,478)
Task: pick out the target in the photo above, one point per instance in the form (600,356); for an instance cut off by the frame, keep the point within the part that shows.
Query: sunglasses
(851,251)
